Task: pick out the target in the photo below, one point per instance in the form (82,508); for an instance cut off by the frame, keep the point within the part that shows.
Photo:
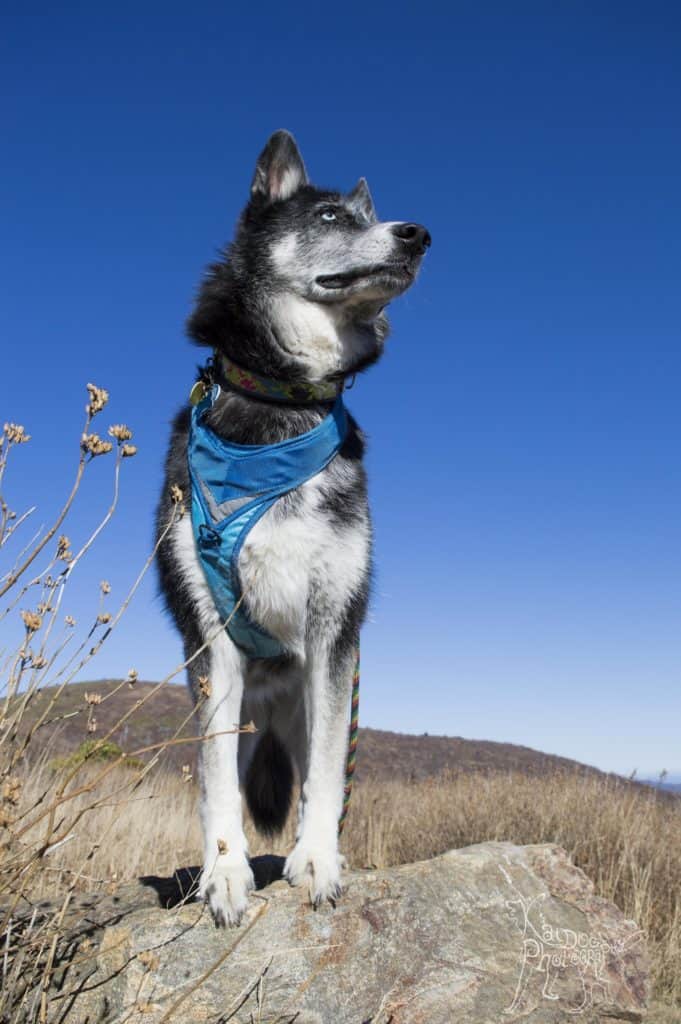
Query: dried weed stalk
(45,809)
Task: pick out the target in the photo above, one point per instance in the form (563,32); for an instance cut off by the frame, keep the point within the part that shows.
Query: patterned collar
(224,372)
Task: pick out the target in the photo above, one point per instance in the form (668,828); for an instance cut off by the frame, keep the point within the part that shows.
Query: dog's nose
(414,235)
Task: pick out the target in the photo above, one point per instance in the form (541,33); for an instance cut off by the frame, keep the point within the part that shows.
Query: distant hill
(381,754)
(668,787)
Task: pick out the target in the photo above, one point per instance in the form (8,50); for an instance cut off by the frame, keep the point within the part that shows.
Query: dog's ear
(360,200)
(280,170)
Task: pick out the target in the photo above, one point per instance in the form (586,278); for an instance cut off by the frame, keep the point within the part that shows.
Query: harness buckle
(208,537)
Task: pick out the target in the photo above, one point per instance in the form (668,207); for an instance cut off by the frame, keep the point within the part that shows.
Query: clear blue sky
(524,424)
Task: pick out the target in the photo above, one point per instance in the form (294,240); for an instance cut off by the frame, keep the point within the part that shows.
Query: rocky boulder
(488,934)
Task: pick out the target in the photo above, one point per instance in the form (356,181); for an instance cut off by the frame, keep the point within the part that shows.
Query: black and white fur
(298,296)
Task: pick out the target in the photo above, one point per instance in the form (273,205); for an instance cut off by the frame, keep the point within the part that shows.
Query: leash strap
(351,759)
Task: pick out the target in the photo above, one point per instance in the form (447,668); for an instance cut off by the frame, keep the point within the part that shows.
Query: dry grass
(628,841)
(41,649)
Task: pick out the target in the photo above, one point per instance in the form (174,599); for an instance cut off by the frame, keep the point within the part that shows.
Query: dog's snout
(413,235)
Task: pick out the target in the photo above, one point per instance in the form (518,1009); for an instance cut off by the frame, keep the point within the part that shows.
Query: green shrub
(91,750)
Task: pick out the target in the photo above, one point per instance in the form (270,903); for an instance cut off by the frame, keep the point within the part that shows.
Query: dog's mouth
(402,271)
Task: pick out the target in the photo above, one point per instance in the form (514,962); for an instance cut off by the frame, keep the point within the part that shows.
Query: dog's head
(323,246)
(308,275)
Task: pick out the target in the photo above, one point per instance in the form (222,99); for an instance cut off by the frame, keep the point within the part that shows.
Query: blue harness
(233,485)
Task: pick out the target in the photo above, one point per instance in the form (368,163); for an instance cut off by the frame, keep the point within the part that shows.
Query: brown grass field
(627,839)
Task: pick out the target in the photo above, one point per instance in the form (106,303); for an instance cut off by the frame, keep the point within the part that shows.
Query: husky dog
(299,298)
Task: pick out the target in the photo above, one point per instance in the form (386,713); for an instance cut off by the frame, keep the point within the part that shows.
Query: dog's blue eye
(328,215)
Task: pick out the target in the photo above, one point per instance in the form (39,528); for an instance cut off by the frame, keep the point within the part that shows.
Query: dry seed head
(32,621)
(128,450)
(149,959)
(93,698)
(120,432)
(251,727)
(133,676)
(92,725)
(64,552)
(105,587)
(93,444)
(104,618)
(145,1007)
(70,621)
(11,790)
(177,498)
(15,433)
(38,661)
(186,773)
(204,686)
(98,399)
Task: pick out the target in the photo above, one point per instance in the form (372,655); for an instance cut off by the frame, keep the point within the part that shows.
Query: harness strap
(233,486)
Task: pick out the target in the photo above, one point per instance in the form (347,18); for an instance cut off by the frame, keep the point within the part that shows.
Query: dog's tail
(269,784)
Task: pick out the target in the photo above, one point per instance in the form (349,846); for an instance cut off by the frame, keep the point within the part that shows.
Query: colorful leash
(351,759)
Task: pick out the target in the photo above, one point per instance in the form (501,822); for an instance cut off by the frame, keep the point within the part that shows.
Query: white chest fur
(289,556)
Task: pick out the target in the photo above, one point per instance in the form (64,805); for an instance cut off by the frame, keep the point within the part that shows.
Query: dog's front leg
(226,878)
(315,859)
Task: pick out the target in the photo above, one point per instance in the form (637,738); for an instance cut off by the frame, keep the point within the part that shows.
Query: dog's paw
(319,869)
(225,887)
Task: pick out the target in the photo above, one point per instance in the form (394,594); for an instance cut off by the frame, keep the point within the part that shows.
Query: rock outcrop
(484,935)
